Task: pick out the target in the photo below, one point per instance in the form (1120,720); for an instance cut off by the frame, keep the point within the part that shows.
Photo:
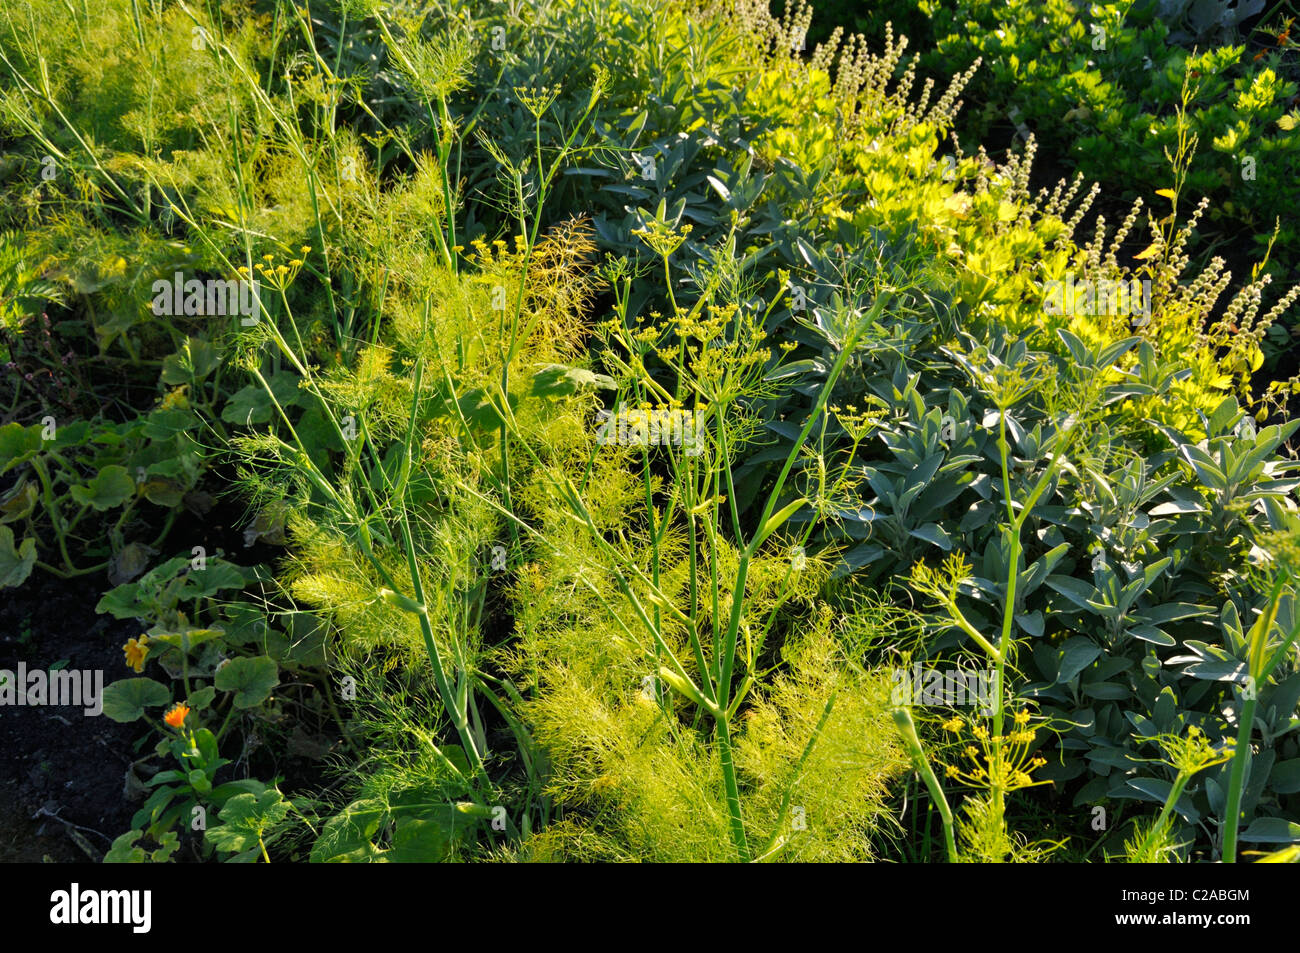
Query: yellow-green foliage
(133,86)
(636,778)
(836,796)
(879,145)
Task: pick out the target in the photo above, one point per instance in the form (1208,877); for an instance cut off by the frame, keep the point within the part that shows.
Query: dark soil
(61,772)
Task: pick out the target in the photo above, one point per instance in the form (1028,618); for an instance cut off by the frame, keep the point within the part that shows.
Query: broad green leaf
(1076,590)
(251,679)
(245,819)
(192,638)
(1271,830)
(1149,633)
(19,502)
(557,380)
(18,444)
(1173,611)
(420,841)
(15,563)
(934,534)
(252,405)
(1205,467)
(1076,655)
(1217,671)
(112,487)
(347,836)
(201,698)
(126,699)
(195,360)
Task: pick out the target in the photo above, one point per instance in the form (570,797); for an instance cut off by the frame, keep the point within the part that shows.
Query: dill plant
(695,594)
(1269,641)
(1187,755)
(1002,764)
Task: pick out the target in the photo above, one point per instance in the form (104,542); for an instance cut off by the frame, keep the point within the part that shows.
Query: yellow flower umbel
(276,276)
(137,650)
(537,100)
(662,238)
(1005,764)
(1193,752)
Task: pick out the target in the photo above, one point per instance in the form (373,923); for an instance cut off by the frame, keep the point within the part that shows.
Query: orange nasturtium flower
(176,717)
(136,649)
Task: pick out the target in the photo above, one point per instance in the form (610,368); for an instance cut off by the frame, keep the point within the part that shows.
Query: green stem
(1175,793)
(1237,780)
(907,729)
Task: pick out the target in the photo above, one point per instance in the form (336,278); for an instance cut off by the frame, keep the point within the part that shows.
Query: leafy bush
(1100,88)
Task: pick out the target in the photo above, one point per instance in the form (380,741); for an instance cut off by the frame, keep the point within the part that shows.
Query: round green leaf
(126,699)
(15,564)
(251,679)
(112,487)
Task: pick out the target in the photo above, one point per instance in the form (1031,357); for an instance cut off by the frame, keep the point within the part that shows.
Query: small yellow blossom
(136,651)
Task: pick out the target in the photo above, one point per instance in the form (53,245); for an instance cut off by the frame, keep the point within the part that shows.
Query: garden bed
(619,431)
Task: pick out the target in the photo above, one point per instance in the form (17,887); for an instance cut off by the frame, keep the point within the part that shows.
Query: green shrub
(1099,86)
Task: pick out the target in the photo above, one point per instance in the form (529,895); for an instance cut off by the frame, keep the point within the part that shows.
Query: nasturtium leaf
(166,423)
(112,487)
(245,819)
(164,493)
(346,837)
(18,444)
(19,502)
(129,561)
(195,360)
(192,638)
(124,851)
(127,698)
(15,563)
(216,575)
(201,698)
(252,405)
(479,410)
(251,679)
(420,841)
